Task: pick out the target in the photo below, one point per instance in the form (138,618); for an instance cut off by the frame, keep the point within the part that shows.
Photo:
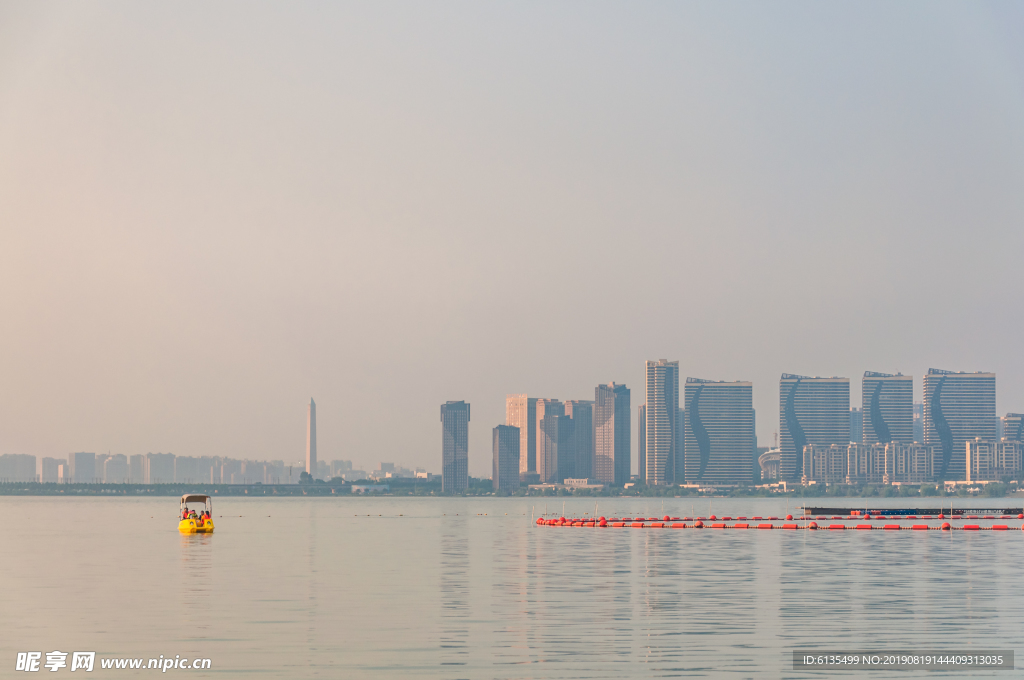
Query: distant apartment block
(454,447)
(505,441)
(992,461)
(612,417)
(719,439)
(521,412)
(582,438)
(812,411)
(50,470)
(115,469)
(137,469)
(158,468)
(662,427)
(887,403)
(17,467)
(82,467)
(869,463)
(958,407)
(1013,427)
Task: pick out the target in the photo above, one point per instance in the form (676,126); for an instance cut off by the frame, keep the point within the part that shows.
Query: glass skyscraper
(454,447)
(505,461)
(521,412)
(958,407)
(719,432)
(887,405)
(611,434)
(811,411)
(661,429)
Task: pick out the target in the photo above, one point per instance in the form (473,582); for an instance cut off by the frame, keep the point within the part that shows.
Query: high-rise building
(137,469)
(611,434)
(311,463)
(811,411)
(115,469)
(159,468)
(581,412)
(856,425)
(521,412)
(719,440)
(50,469)
(555,456)
(661,428)
(17,467)
(958,407)
(186,469)
(1013,427)
(888,407)
(641,442)
(918,422)
(82,467)
(547,441)
(505,440)
(454,447)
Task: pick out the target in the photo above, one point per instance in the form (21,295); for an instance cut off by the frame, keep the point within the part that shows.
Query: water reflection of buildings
(454,587)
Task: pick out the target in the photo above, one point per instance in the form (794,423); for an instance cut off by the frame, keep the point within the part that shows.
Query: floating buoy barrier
(667,522)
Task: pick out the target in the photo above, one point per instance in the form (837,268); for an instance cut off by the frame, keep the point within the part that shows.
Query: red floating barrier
(892,527)
(741,518)
(837,527)
(765,526)
(658,525)
(864,526)
(759,518)
(790,526)
(1000,527)
(773,518)
(602,523)
(679,526)
(727,519)
(945,526)
(719,525)
(637,525)
(971,527)
(920,527)
(540,520)
(740,526)
(618,524)
(589,524)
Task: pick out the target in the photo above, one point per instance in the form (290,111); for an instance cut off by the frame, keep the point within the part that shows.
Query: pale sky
(210,212)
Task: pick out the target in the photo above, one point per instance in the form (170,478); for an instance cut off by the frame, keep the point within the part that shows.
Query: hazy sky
(210,212)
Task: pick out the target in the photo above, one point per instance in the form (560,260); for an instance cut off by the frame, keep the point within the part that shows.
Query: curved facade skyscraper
(958,407)
(811,411)
(887,407)
(662,428)
(719,432)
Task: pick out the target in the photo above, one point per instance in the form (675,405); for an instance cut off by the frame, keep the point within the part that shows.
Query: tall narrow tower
(311,440)
(660,429)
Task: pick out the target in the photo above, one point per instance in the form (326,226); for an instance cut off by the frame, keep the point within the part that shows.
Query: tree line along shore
(483,487)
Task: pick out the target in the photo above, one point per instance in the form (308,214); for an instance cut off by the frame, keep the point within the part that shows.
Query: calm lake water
(469,588)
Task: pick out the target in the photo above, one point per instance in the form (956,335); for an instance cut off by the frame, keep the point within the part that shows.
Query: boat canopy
(195,498)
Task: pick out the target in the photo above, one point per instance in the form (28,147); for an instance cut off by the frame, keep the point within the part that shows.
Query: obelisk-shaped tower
(311,440)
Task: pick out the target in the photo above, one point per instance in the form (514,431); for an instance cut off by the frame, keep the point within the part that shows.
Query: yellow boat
(199,524)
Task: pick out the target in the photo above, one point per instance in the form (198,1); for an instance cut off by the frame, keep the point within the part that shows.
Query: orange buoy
(698,524)
(540,520)
(945,526)
(941,516)
(812,525)
(712,517)
(789,517)
(665,518)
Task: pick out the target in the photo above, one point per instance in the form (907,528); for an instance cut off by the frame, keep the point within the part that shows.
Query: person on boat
(184,513)
(192,515)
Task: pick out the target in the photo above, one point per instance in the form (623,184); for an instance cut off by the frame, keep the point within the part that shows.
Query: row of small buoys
(699,524)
